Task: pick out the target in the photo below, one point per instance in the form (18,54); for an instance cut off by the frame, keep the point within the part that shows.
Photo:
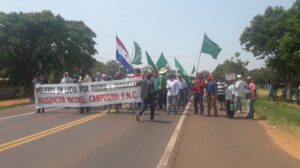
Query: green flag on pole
(182,71)
(161,62)
(137,59)
(150,62)
(210,47)
(193,71)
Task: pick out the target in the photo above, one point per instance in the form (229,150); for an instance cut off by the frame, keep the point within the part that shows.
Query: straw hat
(162,71)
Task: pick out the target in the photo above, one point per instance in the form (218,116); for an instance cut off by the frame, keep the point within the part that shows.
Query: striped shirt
(221,88)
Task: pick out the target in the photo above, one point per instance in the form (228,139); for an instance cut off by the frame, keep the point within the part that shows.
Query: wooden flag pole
(198,63)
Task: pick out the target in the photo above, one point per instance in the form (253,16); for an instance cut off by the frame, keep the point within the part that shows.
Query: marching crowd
(170,92)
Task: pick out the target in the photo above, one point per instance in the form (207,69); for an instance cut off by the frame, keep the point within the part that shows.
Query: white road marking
(20,115)
(165,160)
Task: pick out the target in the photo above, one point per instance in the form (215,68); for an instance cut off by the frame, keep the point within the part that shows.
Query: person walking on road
(162,97)
(182,92)
(229,94)
(84,78)
(239,85)
(211,88)
(250,97)
(198,90)
(221,93)
(147,95)
(172,87)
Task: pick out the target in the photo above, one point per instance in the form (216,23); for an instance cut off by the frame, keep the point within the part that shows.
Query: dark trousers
(182,98)
(40,110)
(230,111)
(162,98)
(198,99)
(145,103)
(87,109)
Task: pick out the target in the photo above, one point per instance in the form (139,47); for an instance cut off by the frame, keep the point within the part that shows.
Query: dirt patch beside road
(287,142)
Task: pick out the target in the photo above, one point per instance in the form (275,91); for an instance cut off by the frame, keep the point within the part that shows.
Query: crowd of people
(165,91)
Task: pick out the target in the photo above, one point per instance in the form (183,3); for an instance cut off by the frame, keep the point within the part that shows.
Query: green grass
(282,114)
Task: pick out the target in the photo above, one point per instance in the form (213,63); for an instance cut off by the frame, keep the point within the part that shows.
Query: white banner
(87,94)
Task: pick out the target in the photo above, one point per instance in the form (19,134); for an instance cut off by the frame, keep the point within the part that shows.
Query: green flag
(210,47)
(150,62)
(161,62)
(193,71)
(182,71)
(137,59)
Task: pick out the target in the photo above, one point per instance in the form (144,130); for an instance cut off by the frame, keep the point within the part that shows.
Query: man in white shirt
(240,86)
(230,92)
(66,79)
(182,92)
(172,88)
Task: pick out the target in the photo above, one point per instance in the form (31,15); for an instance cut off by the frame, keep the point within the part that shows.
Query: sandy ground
(6,103)
(287,142)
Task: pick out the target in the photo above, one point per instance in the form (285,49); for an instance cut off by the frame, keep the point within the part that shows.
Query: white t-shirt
(172,87)
(240,86)
(230,90)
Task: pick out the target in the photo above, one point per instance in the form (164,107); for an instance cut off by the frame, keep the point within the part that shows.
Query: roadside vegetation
(284,115)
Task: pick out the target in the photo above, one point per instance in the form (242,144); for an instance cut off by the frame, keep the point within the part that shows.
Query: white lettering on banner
(87,94)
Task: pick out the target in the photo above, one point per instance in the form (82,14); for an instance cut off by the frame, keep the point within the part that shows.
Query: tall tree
(274,37)
(43,43)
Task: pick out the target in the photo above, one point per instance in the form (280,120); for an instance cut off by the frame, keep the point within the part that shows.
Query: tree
(274,37)
(236,66)
(43,43)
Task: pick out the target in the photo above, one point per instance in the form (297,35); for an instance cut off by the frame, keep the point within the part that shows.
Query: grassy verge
(281,114)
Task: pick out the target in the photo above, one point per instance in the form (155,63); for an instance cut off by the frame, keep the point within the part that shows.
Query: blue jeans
(250,109)
(238,103)
(198,99)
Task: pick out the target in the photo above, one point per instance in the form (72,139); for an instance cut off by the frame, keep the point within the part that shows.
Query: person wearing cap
(172,87)
(240,85)
(211,89)
(198,90)
(66,78)
(84,78)
(250,97)
(162,95)
(147,90)
(229,96)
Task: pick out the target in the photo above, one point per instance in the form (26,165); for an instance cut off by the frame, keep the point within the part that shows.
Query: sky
(174,27)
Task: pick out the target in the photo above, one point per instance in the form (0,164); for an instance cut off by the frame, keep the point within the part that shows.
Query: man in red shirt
(198,90)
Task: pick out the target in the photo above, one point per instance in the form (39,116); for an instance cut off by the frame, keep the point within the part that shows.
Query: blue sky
(175,27)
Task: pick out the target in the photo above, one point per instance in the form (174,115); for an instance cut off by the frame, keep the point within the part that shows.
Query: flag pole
(198,63)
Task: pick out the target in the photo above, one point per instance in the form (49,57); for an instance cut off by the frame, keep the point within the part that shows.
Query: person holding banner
(147,95)
(38,80)
(84,78)
(66,79)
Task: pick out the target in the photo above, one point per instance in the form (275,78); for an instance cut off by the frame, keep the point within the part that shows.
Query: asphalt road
(219,142)
(65,139)
(107,140)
